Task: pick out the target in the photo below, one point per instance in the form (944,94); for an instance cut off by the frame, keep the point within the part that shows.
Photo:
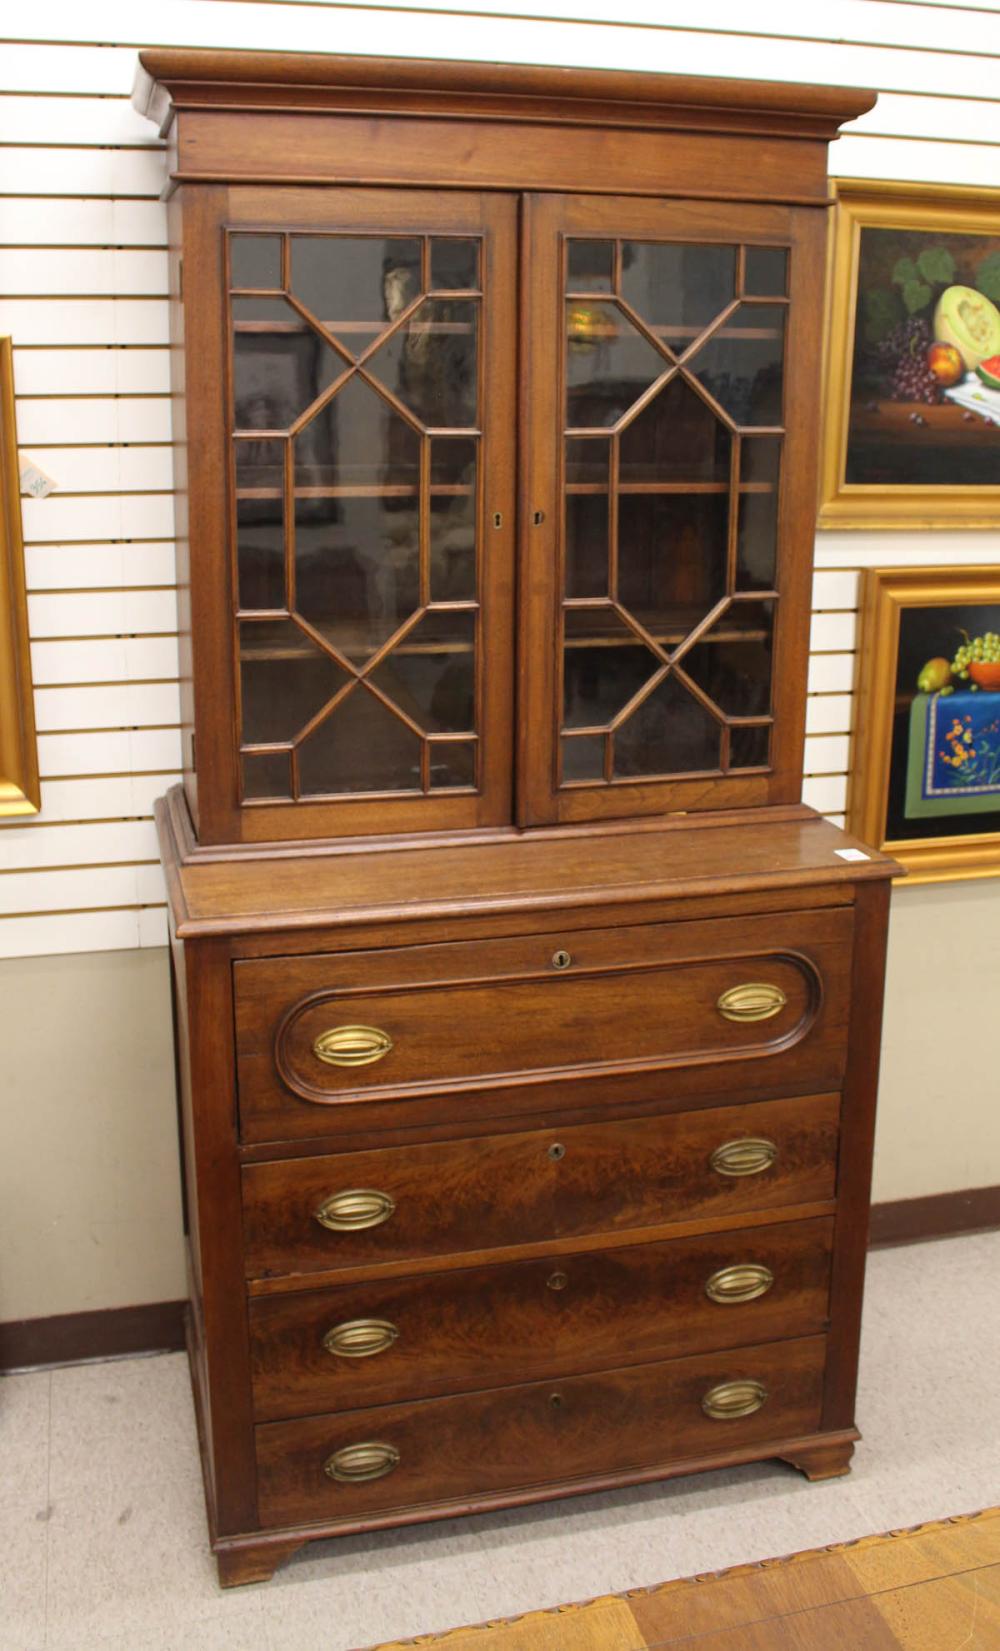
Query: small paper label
(852,854)
(34,481)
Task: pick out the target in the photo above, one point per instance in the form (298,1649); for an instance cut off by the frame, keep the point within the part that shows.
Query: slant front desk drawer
(399,1204)
(400,1456)
(382,1341)
(317,1035)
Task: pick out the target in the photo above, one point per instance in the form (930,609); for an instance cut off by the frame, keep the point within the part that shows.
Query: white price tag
(34,481)
(852,854)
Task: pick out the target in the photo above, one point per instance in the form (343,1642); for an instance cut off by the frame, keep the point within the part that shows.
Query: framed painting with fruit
(925,770)
(912,403)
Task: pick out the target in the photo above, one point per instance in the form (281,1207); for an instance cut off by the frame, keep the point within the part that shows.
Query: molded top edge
(495,82)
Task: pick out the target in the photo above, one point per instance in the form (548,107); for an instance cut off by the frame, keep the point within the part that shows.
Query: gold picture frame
(878,449)
(20,792)
(909,618)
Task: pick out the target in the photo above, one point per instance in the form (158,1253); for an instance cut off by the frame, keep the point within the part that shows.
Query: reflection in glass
(454,264)
(672,558)
(609,364)
(453,763)
(583,757)
(266,774)
(361,746)
(741,366)
(586,544)
(453,519)
(277,375)
(757,543)
(749,747)
(430,363)
(669,733)
(679,288)
(355,278)
(431,674)
(676,437)
(733,664)
(260,524)
(357,564)
(590,266)
(604,664)
(284,680)
(255,260)
(766,272)
(587,460)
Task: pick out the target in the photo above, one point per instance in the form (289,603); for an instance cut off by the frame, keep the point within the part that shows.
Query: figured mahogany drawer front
(315,1034)
(381,1342)
(552,1432)
(452,1197)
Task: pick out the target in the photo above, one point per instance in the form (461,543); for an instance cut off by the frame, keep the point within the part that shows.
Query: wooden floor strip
(933,1588)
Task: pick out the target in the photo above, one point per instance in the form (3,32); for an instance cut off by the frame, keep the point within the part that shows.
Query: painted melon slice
(970,321)
(989,372)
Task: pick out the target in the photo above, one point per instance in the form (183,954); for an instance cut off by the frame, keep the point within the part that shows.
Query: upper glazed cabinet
(501,499)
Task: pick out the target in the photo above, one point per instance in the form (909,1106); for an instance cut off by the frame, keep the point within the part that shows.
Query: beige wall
(89,1195)
(90,1211)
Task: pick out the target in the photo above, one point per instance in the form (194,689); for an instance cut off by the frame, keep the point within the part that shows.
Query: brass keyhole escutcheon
(561,960)
(557,1151)
(555,1400)
(556,1281)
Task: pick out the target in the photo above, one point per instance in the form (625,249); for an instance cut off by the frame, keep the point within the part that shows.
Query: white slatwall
(82,291)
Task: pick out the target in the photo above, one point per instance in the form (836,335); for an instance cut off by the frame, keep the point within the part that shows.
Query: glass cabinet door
(371,415)
(664,639)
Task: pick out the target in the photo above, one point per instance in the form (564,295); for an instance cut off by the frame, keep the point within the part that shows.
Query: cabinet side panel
(857,1134)
(178,425)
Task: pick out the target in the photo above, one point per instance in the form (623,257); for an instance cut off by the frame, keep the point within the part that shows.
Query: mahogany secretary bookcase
(528,1023)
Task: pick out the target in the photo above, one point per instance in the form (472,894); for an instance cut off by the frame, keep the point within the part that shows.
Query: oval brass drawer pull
(749,1156)
(743,1282)
(360,1338)
(730,1400)
(352,1045)
(754,1000)
(357,1207)
(354,1464)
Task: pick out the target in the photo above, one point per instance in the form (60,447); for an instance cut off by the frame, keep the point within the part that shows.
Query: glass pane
(749,747)
(260,523)
(267,774)
(587,461)
(676,437)
(255,260)
(672,558)
(741,365)
(453,520)
(277,375)
(361,746)
(733,663)
(766,274)
(669,733)
(430,363)
(357,521)
(757,545)
(355,278)
(678,289)
(590,266)
(583,757)
(454,264)
(431,674)
(278,310)
(604,665)
(284,680)
(586,544)
(609,365)
(453,764)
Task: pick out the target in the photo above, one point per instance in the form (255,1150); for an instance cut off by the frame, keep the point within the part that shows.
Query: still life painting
(926,771)
(913,414)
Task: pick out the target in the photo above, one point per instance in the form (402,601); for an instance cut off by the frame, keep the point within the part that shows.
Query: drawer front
(316,1036)
(382,1342)
(552,1432)
(453,1197)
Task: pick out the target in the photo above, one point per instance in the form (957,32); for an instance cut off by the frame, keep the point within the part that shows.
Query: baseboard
(115,1332)
(107,1333)
(942,1215)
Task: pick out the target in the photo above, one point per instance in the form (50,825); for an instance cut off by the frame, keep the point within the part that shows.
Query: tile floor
(102,1534)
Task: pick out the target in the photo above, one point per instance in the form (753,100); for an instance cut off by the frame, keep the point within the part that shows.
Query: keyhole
(561,960)
(555,1400)
(557,1151)
(497,519)
(538,518)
